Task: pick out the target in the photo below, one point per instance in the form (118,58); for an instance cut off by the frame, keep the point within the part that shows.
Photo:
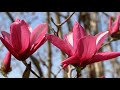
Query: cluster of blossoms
(82,49)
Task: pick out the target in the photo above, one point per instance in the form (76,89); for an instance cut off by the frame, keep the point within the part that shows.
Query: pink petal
(70,60)
(20,36)
(115,27)
(9,47)
(18,20)
(61,44)
(38,33)
(64,66)
(78,32)
(104,56)
(35,47)
(86,48)
(6,36)
(100,38)
(69,38)
(7,61)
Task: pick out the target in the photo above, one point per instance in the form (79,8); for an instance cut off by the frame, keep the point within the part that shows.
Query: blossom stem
(78,70)
(108,42)
(25,63)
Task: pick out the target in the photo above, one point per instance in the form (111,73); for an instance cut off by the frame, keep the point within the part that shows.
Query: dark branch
(25,63)
(10,16)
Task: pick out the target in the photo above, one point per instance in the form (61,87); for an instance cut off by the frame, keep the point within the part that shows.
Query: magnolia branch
(25,63)
(58,72)
(55,75)
(111,40)
(62,15)
(45,65)
(106,14)
(108,42)
(10,16)
(67,19)
(36,63)
(59,25)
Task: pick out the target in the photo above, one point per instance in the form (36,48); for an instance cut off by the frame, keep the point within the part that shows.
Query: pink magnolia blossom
(6,63)
(82,49)
(22,41)
(114,27)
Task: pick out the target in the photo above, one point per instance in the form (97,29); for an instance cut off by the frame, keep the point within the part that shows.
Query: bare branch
(10,16)
(36,63)
(106,14)
(67,19)
(45,64)
(25,63)
(49,50)
(60,24)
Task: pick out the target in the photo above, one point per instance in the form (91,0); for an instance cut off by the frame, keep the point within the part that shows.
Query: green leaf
(26,73)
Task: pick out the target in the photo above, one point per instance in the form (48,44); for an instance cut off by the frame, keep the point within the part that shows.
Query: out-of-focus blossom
(114,27)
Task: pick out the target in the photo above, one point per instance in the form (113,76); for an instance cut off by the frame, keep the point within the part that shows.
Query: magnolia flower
(82,49)
(114,27)
(22,41)
(6,63)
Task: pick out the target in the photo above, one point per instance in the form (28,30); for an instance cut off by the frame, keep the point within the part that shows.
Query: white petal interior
(100,36)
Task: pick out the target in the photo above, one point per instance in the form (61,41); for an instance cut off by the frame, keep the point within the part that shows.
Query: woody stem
(78,70)
(108,42)
(25,63)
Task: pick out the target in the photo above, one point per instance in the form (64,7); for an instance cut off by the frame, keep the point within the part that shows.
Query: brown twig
(60,36)
(69,23)
(58,72)
(37,65)
(62,15)
(49,50)
(10,16)
(107,43)
(59,25)
(67,19)
(78,70)
(45,64)
(113,18)
(25,63)
(106,14)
